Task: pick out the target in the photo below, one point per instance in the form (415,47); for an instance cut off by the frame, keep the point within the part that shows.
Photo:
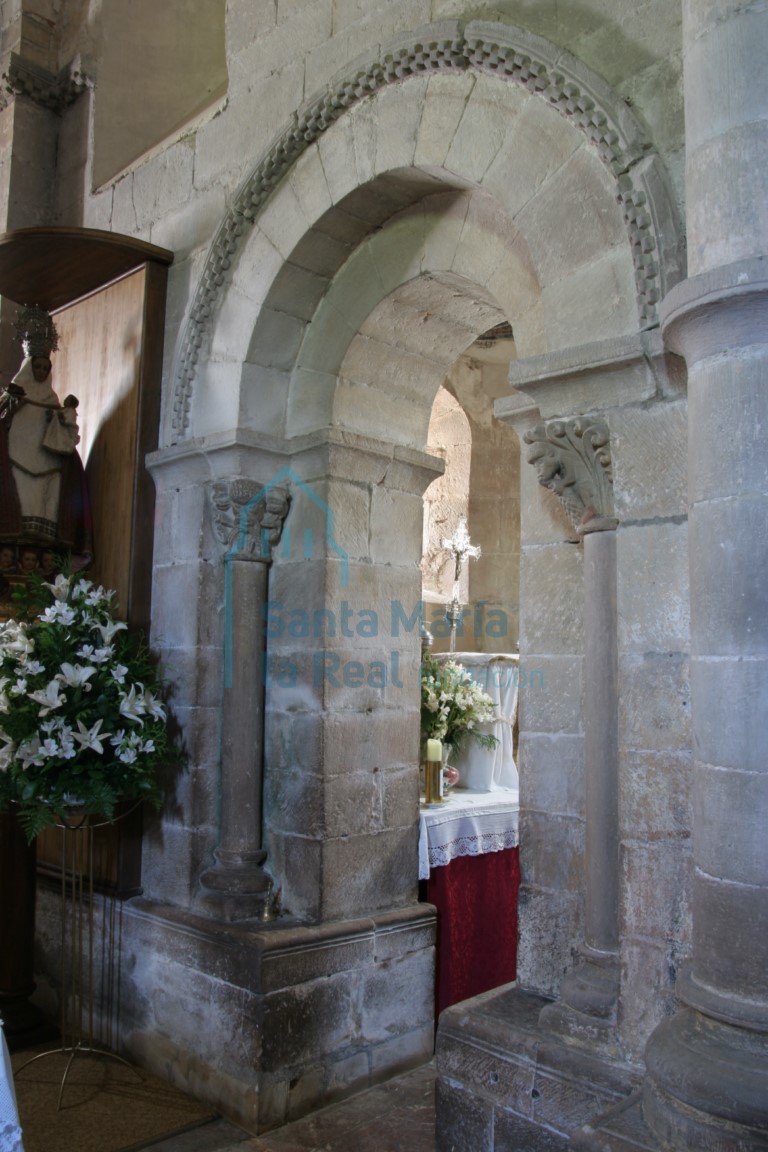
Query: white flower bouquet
(453,705)
(81,719)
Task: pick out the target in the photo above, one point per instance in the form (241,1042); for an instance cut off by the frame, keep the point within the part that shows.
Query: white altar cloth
(467,823)
(10,1132)
(483,769)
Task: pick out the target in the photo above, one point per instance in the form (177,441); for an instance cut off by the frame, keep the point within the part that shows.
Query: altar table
(468,857)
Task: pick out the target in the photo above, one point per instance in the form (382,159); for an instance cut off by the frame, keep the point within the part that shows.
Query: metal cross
(460,548)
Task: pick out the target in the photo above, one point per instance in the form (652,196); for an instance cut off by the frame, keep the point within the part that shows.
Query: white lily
(58,613)
(30,753)
(108,630)
(49,697)
(89,737)
(7,753)
(60,587)
(75,675)
(132,704)
(153,707)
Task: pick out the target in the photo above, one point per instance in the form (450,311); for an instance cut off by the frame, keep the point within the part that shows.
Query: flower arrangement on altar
(82,723)
(453,705)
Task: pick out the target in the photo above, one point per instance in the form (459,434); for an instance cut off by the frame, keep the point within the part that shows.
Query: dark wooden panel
(53,267)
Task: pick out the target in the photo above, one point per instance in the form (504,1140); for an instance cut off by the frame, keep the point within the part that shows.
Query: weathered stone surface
(733,387)
(370,871)
(553,848)
(655,793)
(550,928)
(735,915)
(444,106)
(742,795)
(728,625)
(551,624)
(653,612)
(398,997)
(552,773)
(591,229)
(649,968)
(481,131)
(294,1021)
(592,303)
(551,694)
(649,452)
(654,702)
(547,142)
(463,1120)
(656,888)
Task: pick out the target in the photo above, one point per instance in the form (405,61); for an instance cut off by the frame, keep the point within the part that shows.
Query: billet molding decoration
(511,54)
(56,93)
(573,459)
(248,518)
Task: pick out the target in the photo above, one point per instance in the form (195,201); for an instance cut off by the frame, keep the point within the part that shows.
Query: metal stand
(76,991)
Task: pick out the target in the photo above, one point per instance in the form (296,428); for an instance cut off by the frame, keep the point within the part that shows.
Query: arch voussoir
(518,57)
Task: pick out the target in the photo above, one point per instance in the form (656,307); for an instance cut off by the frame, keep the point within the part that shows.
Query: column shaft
(601,742)
(243,714)
(707,1083)
(248,520)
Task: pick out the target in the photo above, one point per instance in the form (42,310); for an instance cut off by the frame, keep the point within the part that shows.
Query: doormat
(106,1106)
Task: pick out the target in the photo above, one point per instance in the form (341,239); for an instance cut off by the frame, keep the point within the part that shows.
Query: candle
(434,750)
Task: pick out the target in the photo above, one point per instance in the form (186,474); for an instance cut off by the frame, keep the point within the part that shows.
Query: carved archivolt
(248,518)
(506,52)
(573,459)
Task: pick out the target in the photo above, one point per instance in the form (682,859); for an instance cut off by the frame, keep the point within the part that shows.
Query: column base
(585,1015)
(237,889)
(707,1085)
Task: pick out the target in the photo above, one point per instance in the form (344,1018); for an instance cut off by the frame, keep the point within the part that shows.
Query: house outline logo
(285,477)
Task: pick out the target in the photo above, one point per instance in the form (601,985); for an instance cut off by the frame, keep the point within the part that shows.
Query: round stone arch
(482,106)
(518,201)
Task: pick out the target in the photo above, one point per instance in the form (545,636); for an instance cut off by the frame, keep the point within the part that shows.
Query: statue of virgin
(43,495)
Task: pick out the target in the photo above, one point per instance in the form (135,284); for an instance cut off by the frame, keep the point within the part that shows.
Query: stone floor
(398,1116)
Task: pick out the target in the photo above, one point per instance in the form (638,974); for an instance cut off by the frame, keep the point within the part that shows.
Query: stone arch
(364,108)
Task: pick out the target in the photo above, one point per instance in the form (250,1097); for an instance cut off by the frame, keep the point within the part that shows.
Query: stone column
(573,459)
(248,520)
(707,1081)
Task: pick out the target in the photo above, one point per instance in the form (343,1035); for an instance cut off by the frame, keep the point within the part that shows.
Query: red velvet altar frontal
(476,901)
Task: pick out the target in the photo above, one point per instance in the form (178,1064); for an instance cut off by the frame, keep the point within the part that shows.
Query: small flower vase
(450,774)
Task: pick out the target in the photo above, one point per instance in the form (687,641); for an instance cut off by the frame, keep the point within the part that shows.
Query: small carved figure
(43,496)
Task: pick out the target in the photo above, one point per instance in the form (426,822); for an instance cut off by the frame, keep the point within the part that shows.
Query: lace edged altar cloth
(468,823)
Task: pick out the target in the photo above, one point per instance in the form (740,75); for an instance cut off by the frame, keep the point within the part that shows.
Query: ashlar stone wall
(370,200)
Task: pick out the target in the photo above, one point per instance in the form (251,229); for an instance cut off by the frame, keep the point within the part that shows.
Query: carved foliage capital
(573,460)
(248,517)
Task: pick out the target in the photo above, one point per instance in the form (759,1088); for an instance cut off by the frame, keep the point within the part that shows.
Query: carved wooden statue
(44,505)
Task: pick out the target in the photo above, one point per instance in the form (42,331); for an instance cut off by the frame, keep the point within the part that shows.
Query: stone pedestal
(267,1022)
